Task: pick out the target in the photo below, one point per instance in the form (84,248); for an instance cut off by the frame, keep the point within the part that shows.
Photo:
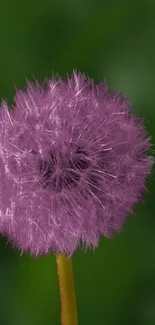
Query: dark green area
(106,39)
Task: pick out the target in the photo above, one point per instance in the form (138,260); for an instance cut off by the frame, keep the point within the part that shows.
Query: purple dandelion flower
(73,163)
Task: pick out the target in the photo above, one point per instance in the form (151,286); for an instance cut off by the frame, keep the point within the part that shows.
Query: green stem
(67,291)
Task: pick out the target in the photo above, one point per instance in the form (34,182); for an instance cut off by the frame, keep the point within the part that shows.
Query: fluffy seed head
(73,162)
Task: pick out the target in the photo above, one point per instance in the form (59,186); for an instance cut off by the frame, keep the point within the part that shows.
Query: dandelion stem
(67,291)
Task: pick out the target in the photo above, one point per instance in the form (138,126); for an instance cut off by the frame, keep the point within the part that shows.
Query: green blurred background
(109,39)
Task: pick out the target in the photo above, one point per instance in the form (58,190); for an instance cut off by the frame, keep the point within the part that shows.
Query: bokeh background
(106,39)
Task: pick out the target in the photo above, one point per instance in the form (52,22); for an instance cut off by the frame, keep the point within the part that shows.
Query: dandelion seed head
(73,163)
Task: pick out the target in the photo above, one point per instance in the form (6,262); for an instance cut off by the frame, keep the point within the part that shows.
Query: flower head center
(63,171)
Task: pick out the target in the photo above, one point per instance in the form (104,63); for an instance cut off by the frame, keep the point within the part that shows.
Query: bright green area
(109,39)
